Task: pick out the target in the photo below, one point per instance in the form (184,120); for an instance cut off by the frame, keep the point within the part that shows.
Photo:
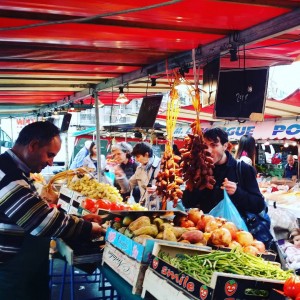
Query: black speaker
(66,122)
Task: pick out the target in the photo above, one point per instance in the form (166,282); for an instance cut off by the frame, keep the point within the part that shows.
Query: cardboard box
(139,252)
(129,269)
(160,288)
(243,287)
(142,253)
(184,282)
(222,285)
(76,200)
(70,201)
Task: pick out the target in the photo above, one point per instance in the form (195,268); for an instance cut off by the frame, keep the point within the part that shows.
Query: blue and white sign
(286,129)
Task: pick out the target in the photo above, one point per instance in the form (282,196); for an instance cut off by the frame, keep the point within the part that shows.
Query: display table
(286,200)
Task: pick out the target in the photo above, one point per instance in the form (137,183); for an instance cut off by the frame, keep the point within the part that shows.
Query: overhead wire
(87,19)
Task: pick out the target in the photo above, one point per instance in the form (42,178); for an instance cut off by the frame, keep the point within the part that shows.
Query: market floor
(88,287)
(85,287)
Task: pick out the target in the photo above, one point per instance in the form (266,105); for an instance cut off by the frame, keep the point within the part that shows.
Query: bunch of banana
(91,188)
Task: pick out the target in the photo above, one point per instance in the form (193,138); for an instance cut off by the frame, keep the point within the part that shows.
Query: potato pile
(169,179)
(197,163)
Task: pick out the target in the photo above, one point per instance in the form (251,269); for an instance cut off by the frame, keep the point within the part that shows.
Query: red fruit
(251,250)
(212,225)
(103,204)
(203,220)
(260,246)
(186,223)
(221,236)
(117,206)
(194,214)
(291,286)
(231,227)
(89,204)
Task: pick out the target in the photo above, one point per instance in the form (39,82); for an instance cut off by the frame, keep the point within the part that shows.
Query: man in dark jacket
(291,168)
(246,196)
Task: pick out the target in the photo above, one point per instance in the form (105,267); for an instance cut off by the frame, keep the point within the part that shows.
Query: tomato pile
(93,205)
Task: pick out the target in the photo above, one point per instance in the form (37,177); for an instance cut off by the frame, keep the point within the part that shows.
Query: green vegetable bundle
(202,266)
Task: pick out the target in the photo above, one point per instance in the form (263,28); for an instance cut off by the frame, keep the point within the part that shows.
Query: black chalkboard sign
(240,93)
(148,111)
(261,156)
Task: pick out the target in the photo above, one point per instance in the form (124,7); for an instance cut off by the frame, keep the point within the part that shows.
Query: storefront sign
(287,129)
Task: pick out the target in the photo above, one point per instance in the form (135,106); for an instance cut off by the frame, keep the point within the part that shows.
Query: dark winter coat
(246,198)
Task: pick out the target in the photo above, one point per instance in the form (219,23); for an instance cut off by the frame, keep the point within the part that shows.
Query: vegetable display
(202,266)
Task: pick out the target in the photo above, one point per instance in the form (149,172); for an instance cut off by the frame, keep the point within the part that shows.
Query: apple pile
(218,232)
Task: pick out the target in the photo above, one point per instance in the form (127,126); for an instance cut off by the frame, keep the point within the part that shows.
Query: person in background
(78,159)
(90,161)
(144,176)
(121,153)
(246,150)
(291,168)
(292,250)
(27,222)
(246,197)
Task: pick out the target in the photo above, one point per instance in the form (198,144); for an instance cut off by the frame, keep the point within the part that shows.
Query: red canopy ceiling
(59,51)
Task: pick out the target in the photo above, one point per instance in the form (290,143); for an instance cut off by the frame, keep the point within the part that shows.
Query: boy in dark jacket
(246,196)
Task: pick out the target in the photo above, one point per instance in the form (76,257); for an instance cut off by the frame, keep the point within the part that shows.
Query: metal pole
(98,138)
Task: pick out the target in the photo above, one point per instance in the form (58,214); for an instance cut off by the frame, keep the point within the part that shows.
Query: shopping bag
(259,226)
(226,209)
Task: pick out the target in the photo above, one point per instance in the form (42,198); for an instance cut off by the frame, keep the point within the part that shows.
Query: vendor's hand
(49,194)
(229,186)
(93,218)
(97,230)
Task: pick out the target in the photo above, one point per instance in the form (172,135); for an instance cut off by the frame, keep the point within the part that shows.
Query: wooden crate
(129,269)
(160,288)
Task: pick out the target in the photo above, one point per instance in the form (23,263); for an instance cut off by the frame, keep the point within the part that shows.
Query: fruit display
(194,228)
(197,163)
(219,232)
(91,188)
(235,262)
(168,180)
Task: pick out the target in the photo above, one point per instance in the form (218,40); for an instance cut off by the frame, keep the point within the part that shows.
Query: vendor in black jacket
(245,195)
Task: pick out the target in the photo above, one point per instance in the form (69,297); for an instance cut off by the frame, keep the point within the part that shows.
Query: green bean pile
(201,267)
